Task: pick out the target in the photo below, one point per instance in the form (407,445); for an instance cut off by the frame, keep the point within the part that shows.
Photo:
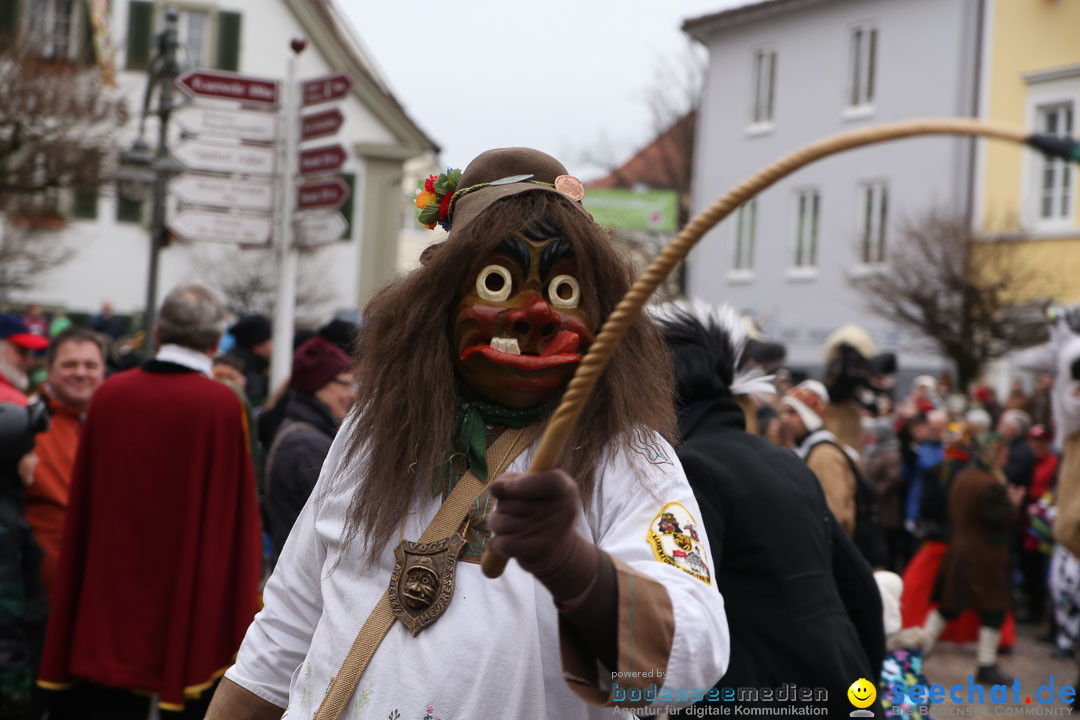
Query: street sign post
(237,125)
(320,228)
(238,228)
(221,85)
(321,194)
(325,88)
(321,124)
(251,194)
(322,160)
(242,159)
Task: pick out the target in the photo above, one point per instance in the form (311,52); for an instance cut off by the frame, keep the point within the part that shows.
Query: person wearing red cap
(323,389)
(16,344)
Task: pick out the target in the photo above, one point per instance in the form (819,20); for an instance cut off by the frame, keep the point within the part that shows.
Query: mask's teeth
(506,345)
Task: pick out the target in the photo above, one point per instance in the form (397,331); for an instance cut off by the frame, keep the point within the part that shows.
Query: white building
(111,234)
(783,73)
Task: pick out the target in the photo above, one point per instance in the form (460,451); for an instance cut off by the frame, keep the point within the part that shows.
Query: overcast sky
(570,77)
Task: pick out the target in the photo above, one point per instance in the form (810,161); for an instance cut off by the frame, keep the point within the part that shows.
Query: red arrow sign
(326,88)
(201,82)
(330,193)
(322,123)
(327,158)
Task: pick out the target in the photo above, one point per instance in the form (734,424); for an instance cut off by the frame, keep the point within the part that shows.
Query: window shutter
(87,52)
(139,34)
(347,208)
(85,203)
(228,50)
(9,18)
(128,210)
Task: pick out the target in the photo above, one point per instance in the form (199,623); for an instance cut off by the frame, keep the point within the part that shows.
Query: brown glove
(533,523)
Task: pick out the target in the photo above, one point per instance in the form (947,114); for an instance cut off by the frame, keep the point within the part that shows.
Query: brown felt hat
(503,172)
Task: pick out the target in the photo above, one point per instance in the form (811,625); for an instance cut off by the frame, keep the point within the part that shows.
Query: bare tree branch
(960,295)
(247,279)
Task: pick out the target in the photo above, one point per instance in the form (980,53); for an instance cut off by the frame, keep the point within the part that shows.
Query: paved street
(1029,661)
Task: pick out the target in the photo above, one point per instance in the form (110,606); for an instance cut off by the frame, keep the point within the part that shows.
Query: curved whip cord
(592,365)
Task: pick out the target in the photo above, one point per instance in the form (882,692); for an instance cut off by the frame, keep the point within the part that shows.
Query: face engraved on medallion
(420,586)
(521,324)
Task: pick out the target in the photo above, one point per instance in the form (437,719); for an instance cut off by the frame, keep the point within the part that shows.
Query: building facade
(110,232)
(1025,203)
(783,73)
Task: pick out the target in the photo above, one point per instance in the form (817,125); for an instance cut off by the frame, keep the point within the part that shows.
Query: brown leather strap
(447,520)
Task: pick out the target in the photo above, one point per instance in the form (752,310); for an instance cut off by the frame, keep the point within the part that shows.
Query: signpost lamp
(140,170)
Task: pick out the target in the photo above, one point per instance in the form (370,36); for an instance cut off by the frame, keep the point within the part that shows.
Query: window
(764,85)
(53,27)
(208,37)
(192,32)
(745,231)
(875,211)
(808,213)
(864,42)
(1055,176)
(84,204)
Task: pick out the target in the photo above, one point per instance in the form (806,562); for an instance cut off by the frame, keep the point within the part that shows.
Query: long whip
(592,365)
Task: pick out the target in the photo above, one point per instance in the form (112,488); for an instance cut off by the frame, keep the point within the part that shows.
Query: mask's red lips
(562,350)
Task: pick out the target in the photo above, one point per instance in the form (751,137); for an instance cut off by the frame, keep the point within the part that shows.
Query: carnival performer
(1061,358)
(801,602)
(975,571)
(612,592)
(935,531)
(854,374)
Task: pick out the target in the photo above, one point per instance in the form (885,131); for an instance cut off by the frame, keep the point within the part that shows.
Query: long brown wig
(408,392)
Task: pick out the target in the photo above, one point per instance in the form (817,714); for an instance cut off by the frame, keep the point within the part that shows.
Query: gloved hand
(533,522)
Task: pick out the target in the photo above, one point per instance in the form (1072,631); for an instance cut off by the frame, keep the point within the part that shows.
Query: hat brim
(30,341)
(471,206)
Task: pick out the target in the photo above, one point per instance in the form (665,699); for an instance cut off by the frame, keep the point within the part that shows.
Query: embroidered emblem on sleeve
(673,535)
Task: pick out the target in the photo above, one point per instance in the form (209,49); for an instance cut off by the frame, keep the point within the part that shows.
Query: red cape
(161,558)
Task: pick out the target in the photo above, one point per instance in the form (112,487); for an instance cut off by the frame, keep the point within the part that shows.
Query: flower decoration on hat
(434,196)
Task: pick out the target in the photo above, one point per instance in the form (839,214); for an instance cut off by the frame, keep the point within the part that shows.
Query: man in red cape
(160,562)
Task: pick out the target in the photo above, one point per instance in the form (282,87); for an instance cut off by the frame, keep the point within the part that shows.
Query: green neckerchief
(470,435)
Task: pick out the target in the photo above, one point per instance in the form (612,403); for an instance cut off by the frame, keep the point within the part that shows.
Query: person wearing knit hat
(254,345)
(323,389)
(803,415)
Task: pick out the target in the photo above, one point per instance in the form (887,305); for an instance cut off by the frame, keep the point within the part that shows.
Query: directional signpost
(320,194)
(245,159)
(211,191)
(237,133)
(238,125)
(320,228)
(320,124)
(322,160)
(243,229)
(218,84)
(326,88)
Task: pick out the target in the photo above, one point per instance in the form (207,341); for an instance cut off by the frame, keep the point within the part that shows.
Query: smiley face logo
(862,693)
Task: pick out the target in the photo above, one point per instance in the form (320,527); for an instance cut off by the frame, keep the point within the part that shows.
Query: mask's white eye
(564,291)
(494,283)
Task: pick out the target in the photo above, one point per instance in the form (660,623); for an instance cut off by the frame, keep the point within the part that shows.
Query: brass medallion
(423,580)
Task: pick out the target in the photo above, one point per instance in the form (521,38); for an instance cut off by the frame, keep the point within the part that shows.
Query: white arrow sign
(221,227)
(320,228)
(260,126)
(243,159)
(223,192)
